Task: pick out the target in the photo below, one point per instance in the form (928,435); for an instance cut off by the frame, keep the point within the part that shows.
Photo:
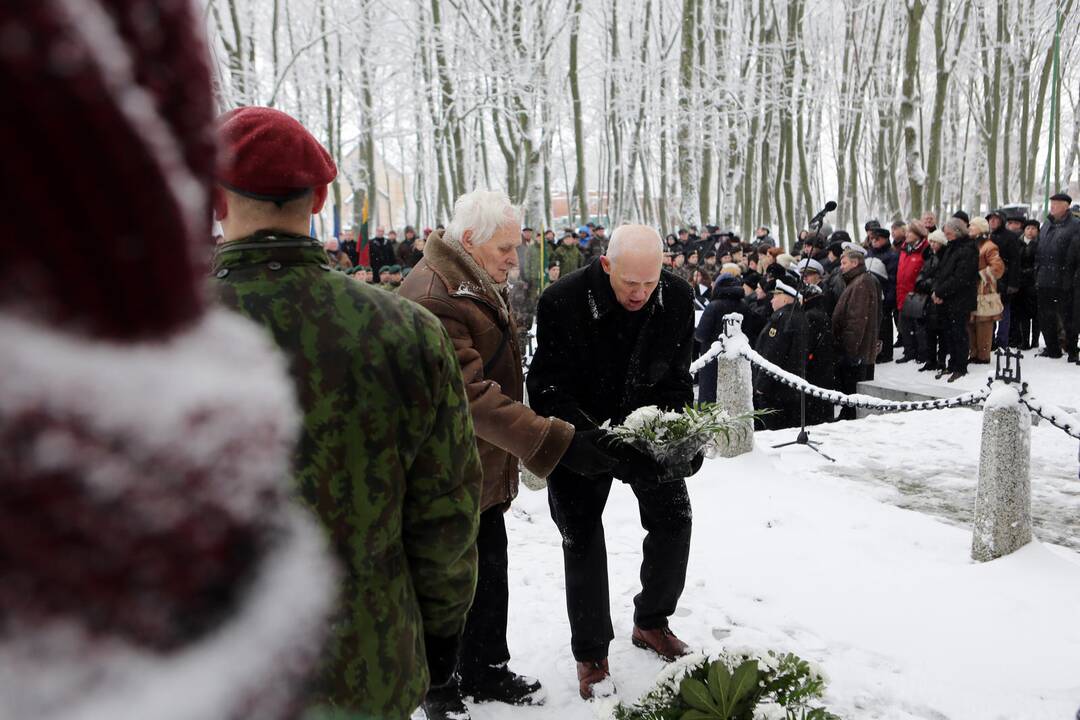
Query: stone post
(734,392)
(1003,500)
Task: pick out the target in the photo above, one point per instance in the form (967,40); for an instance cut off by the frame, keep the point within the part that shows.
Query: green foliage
(737,686)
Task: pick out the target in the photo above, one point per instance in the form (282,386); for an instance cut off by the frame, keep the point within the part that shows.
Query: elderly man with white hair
(613,337)
(462,280)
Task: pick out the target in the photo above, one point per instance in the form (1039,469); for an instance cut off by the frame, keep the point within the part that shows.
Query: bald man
(612,337)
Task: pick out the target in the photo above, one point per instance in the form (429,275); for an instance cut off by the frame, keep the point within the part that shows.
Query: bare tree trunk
(688,176)
(913,154)
(579,137)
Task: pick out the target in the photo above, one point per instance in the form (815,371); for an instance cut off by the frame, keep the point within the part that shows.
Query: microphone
(815,222)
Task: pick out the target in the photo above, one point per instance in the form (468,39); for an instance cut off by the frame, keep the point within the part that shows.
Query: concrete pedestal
(1003,501)
(735,394)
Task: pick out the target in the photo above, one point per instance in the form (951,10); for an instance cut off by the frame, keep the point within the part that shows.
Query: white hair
(616,243)
(482,212)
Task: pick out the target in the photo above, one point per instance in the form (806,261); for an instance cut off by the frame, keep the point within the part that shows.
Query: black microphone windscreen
(830,206)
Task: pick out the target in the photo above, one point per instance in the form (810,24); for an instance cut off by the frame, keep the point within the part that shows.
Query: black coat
(1008,244)
(727,298)
(891,258)
(382,253)
(756,314)
(1026,276)
(1055,239)
(782,342)
(595,361)
(924,282)
(957,279)
(820,358)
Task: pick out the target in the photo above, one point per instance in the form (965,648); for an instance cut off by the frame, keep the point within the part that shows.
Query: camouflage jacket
(387,460)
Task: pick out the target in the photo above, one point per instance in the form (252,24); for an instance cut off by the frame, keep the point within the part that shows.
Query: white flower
(770,711)
(640,417)
(671,417)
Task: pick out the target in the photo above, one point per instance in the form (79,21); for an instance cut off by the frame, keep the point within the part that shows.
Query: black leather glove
(442,653)
(679,471)
(636,466)
(588,454)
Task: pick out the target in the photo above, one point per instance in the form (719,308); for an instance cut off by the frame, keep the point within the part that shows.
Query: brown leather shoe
(661,641)
(590,675)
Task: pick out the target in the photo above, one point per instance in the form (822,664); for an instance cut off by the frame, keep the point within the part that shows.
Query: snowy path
(928,461)
(787,556)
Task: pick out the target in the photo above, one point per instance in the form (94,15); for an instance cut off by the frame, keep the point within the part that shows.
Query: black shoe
(956,376)
(1074,357)
(904,359)
(444,702)
(899,343)
(1048,354)
(500,684)
(941,373)
(929,366)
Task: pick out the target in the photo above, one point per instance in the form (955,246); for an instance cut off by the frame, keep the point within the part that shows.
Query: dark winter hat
(836,248)
(871,224)
(840,236)
(999,214)
(106,126)
(1031,221)
(880,232)
(526,228)
(751,278)
(270,156)
(1062,197)
(961,215)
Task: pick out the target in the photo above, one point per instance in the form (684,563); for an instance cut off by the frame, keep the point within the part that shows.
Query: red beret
(270,156)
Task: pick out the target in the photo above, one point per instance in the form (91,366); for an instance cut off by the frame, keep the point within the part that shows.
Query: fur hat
(916,226)
(978,227)
(939,237)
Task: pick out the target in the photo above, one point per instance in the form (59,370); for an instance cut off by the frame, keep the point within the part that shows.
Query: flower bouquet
(676,437)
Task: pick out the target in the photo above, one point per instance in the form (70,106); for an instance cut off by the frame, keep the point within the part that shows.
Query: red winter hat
(107,138)
(270,156)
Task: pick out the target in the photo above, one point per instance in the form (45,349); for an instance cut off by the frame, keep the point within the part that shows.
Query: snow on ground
(791,553)
(929,461)
(1048,379)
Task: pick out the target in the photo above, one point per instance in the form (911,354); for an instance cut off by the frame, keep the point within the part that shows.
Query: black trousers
(1024,329)
(577,506)
(483,644)
(1055,320)
(848,377)
(955,336)
(885,333)
(916,343)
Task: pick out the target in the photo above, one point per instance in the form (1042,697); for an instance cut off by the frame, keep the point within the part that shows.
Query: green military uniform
(569,258)
(387,460)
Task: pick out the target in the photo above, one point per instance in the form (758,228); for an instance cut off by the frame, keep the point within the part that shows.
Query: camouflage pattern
(387,460)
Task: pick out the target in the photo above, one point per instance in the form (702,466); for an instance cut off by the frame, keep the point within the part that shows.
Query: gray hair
(957,226)
(483,212)
(855,255)
(618,241)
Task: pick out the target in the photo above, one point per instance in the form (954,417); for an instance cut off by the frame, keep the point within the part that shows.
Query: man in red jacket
(912,257)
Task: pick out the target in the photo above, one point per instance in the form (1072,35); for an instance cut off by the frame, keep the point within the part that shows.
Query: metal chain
(1036,407)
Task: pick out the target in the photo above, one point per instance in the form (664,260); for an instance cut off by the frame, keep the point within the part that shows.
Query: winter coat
(569,259)
(924,283)
(531,268)
(1008,245)
(957,279)
(857,316)
(596,361)
(727,297)
(891,258)
(1028,253)
(907,272)
(756,314)
(476,315)
(382,253)
(991,267)
(820,357)
(1055,239)
(596,247)
(783,343)
(408,255)
(387,461)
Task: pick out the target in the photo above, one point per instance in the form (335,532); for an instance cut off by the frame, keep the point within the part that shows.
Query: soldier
(783,343)
(387,457)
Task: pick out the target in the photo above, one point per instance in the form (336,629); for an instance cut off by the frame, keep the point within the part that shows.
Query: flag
(363,249)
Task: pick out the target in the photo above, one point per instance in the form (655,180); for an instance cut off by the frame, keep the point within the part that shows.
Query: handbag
(914,307)
(989,305)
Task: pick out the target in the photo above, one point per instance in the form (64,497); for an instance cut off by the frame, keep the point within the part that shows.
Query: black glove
(442,655)
(587,454)
(679,471)
(636,466)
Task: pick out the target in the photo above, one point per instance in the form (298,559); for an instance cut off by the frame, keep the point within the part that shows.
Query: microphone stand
(803,438)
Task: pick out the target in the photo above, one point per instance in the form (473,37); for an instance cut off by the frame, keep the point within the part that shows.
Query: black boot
(500,684)
(929,366)
(1074,357)
(444,702)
